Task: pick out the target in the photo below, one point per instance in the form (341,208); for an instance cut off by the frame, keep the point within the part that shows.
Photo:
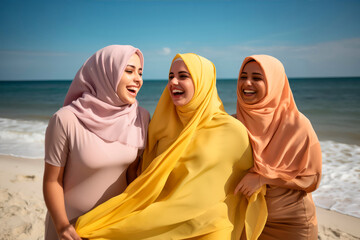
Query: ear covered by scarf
(194,115)
(195,156)
(93,98)
(284,143)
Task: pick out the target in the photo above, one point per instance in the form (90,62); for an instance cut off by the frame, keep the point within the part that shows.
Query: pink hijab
(284,143)
(93,99)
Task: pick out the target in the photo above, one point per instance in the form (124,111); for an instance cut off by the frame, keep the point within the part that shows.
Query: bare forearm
(54,196)
(54,199)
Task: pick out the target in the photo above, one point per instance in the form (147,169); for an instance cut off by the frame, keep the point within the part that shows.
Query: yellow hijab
(196,155)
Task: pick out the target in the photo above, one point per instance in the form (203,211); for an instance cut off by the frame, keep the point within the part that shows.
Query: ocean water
(331,104)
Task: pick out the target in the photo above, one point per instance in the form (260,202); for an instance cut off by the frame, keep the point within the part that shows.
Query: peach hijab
(93,98)
(284,143)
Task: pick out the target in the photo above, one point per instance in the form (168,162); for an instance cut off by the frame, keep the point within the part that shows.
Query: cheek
(192,93)
(263,88)
(124,79)
(190,88)
(120,89)
(262,91)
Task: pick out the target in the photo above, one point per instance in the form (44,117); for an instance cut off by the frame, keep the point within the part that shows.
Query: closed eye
(184,76)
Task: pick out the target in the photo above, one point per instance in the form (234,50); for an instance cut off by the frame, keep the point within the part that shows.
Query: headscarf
(93,98)
(195,156)
(284,143)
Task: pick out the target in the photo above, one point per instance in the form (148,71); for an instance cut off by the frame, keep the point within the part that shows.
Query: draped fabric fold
(92,97)
(284,142)
(195,156)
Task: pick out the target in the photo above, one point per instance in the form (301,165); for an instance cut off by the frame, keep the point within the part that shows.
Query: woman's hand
(249,184)
(69,233)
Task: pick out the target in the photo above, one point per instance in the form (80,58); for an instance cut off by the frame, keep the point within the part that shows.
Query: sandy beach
(22,209)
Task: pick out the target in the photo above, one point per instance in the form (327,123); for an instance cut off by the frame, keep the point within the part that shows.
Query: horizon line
(153,79)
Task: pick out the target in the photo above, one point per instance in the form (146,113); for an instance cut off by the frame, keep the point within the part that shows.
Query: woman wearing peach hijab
(196,154)
(91,141)
(286,150)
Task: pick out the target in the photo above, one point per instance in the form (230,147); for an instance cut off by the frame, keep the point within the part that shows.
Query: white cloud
(165,51)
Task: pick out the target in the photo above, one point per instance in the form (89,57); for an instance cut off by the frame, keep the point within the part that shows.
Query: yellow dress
(196,154)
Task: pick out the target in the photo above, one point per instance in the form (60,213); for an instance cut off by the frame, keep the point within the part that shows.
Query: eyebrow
(180,72)
(132,66)
(253,73)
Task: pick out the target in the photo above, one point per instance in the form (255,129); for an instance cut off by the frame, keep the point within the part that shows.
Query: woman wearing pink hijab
(91,141)
(286,150)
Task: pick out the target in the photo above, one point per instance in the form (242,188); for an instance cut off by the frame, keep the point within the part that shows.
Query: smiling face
(180,85)
(251,83)
(131,80)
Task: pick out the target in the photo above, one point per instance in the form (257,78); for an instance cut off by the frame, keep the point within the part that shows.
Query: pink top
(95,169)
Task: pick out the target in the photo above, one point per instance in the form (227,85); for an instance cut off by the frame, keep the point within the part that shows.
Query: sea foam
(22,138)
(340,184)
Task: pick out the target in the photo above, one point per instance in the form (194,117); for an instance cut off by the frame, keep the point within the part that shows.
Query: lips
(177,92)
(132,90)
(248,92)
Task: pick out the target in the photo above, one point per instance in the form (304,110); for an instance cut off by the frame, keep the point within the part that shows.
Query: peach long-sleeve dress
(95,170)
(286,148)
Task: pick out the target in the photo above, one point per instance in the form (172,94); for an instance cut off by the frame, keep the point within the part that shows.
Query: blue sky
(51,39)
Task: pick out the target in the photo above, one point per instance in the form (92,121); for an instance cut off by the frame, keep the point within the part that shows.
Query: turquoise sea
(331,104)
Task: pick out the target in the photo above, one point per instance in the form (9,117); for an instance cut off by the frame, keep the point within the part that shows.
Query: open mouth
(249,92)
(132,90)
(177,92)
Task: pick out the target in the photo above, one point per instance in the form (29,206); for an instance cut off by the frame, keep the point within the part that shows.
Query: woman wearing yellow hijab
(196,154)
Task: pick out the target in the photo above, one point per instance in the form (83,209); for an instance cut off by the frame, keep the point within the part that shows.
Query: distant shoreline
(218,79)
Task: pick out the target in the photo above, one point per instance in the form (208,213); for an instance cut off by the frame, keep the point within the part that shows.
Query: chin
(130,101)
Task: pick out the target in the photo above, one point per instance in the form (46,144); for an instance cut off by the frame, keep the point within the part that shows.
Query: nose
(138,79)
(174,81)
(247,82)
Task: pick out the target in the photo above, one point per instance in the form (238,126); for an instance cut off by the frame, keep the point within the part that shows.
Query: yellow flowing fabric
(196,154)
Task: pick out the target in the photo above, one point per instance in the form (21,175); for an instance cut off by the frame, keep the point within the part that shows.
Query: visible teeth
(132,89)
(177,91)
(249,91)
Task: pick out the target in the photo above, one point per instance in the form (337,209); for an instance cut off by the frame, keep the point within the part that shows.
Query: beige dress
(95,170)
(291,215)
